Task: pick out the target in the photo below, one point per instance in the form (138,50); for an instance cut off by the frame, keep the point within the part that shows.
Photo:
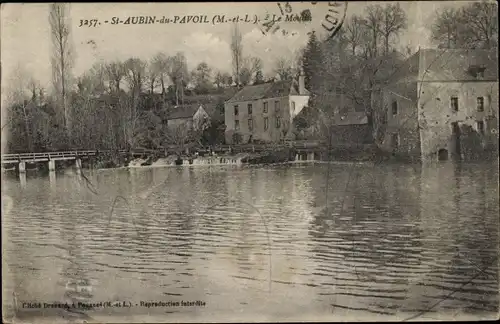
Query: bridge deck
(299,146)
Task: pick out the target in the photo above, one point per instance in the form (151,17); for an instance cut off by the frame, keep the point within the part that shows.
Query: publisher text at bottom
(182,303)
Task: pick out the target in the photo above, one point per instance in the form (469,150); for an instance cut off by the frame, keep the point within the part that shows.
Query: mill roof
(449,65)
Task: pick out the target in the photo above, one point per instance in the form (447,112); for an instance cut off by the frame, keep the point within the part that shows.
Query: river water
(289,242)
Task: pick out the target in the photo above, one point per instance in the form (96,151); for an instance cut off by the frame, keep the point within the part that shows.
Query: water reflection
(383,240)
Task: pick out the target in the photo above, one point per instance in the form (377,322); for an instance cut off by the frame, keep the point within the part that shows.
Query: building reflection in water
(78,285)
(367,242)
(459,210)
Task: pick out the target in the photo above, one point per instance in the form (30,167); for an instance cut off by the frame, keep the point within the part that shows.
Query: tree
(135,74)
(283,68)
(19,102)
(152,76)
(354,31)
(179,136)
(245,76)
(219,79)
(259,77)
(91,82)
(237,53)
(256,64)
(444,30)
(393,22)
(482,23)
(249,67)
(178,73)
(312,62)
(373,22)
(61,57)
(228,79)
(473,26)
(202,78)
(161,65)
(115,73)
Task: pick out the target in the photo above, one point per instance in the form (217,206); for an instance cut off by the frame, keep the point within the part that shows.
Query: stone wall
(437,117)
(401,136)
(351,134)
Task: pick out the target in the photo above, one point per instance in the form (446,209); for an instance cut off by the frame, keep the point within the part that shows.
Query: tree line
(125,104)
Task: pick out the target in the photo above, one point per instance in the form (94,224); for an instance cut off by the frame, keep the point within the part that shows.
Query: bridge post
(22,167)
(52,165)
(22,179)
(310,156)
(52,179)
(78,164)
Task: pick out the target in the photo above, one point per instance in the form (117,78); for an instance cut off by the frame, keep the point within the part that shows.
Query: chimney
(302,86)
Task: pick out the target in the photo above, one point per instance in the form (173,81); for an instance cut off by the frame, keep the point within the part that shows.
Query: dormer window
(477,71)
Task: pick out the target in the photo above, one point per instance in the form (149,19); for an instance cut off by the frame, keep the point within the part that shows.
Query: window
(395,140)
(237,124)
(454,103)
(480,104)
(293,106)
(394,108)
(480,127)
(265,107)
(276,106)
(266,123)
(250,124)
(278,122)
(249,109)
(236,110)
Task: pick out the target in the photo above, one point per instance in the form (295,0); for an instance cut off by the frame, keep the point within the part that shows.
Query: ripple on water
(392,242)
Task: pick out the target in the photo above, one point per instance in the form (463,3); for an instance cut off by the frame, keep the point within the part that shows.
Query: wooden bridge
(301,147)
(45,156)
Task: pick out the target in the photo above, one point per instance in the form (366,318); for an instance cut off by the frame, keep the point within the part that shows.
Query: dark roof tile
(448,65)
(266,90)
(453,65)
(185,111)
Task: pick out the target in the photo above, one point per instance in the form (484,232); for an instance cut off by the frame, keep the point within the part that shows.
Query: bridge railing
(46,155)
(306,144)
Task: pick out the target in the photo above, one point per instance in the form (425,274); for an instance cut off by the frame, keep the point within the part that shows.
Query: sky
(26,43)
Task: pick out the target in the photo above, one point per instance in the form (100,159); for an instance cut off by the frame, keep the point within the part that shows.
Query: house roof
(454,65)
(266,90)
(218,96)
(448,65)
(184,111)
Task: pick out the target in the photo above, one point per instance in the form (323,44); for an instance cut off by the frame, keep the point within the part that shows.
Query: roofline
(270,98)
(255,85)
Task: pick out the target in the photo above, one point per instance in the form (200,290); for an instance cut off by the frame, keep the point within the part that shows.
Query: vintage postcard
(249,162)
